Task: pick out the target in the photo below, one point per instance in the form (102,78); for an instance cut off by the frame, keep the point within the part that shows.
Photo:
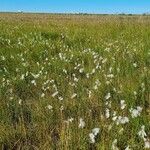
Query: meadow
(74,82)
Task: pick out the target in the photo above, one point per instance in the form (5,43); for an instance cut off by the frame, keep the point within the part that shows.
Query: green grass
(83,58)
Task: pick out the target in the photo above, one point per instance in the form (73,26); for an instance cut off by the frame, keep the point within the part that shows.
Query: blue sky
(87,6)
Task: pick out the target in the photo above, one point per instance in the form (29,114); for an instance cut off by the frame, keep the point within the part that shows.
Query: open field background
(63,75)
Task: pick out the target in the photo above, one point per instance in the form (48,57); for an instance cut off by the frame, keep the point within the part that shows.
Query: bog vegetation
(74,82)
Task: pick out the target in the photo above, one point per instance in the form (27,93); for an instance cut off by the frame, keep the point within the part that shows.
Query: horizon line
(77,13)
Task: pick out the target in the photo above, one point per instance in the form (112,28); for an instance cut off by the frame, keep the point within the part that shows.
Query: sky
(76,6)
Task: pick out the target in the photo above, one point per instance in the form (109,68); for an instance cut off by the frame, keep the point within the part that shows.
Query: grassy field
(74,82)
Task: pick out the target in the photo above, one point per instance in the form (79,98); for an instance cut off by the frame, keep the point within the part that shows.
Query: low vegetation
(74,82)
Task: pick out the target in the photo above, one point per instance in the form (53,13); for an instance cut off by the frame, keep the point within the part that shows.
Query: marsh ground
(63,75)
